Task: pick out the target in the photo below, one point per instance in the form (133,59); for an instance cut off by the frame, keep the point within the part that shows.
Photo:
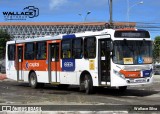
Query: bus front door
(20,76)
(53,62)
(104,61)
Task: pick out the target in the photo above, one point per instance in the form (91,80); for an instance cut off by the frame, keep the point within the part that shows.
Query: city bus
(108,58)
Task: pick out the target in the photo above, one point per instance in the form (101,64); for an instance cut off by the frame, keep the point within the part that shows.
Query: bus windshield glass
(132,52)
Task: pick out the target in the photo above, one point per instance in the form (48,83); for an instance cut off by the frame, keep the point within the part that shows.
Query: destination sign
(132,34)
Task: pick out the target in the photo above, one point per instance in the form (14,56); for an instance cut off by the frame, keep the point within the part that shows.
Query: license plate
(137,80)
(140,80)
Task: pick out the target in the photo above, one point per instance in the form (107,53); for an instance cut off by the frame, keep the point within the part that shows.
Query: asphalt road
(16,93)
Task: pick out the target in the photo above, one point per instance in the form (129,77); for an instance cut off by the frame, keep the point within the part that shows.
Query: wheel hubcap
(86,84)
(32,81)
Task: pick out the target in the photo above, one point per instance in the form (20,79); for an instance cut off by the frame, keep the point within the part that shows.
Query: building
(23,30)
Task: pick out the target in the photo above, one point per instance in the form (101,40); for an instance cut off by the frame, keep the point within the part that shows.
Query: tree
(4,37)
(156,51)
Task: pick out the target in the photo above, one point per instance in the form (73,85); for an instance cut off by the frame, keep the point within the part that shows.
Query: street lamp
(87,15)
(81,16)
(130,7)
(84,19)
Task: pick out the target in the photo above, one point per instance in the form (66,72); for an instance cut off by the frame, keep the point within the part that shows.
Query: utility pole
(110,9)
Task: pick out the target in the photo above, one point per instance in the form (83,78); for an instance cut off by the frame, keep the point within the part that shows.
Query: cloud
(70,5)
(71,8)
(56,4)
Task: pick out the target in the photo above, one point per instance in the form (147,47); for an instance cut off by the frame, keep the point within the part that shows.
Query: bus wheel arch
(86,82)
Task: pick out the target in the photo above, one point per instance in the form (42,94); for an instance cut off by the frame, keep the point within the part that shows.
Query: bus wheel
(33,80)
(88,84)
(122,88)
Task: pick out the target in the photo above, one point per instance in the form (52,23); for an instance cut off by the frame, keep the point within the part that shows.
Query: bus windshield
(132,52)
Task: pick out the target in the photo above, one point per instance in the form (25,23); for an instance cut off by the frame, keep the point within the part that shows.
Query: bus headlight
(118,74)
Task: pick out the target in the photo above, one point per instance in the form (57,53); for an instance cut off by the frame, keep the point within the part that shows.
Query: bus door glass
(54,62)
(20,61)
(104,60)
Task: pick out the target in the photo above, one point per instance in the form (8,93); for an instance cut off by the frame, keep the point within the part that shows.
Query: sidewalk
(3,76)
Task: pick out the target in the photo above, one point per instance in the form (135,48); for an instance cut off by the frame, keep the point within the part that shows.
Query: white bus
(108,58)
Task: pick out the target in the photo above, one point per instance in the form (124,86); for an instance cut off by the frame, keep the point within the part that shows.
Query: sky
(146,15)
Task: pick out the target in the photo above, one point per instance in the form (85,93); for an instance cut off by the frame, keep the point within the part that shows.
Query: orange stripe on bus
(131,74)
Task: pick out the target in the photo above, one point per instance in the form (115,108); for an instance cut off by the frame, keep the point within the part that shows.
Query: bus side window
(90,47)
(11,52)
(66,48)
(77,48)
(29,51)
(41,50)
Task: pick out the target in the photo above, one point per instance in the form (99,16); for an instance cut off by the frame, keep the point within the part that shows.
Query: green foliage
(156,51)
(4,37)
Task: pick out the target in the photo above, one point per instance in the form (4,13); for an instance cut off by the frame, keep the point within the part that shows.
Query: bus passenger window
(66,48)
(41,50)
(77,48)
(11,52)
(29,51)
(90,47)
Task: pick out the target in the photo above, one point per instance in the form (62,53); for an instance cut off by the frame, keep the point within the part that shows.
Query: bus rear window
(11,52)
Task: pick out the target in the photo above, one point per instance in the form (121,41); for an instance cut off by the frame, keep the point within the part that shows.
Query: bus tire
(33,80)
(88,84)
(122,88)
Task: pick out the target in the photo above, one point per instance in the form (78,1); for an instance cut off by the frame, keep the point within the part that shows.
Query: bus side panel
(94,78)
(11,72)
(89,65)
(26,74)
(73,77)
(42,76)
(68,78)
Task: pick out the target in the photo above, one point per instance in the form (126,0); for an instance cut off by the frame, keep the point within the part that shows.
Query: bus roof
(74,35)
